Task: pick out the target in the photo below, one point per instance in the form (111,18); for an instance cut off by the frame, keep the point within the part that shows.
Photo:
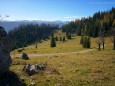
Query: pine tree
(113,42)
(68,35)
(88,42)
(64,38)
(60,38)
(84,42)
(53,43)
(56,38)
(81,40)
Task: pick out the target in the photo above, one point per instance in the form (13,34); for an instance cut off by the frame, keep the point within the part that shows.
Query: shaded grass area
(96,68)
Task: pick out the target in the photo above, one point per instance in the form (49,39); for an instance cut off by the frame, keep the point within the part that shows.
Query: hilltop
(9,25)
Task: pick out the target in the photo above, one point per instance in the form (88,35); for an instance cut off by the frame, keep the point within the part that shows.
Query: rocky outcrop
(33,69)
(5,47)
(7,77)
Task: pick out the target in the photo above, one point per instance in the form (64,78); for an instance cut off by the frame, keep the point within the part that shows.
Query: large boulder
(5,48)
(33,69)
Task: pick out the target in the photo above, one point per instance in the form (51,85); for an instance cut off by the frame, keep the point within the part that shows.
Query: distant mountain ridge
(9,25)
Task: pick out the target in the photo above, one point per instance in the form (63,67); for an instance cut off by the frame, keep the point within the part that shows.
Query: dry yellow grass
(44,47)
(95,68)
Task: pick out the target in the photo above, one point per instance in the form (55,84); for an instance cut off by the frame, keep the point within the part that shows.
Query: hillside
(25,35)
(94,68)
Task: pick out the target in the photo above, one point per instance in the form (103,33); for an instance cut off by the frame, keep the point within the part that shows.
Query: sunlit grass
(95,68)
(44,47)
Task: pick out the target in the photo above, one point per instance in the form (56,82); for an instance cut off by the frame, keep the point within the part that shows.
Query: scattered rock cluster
(39,69)
(33,69)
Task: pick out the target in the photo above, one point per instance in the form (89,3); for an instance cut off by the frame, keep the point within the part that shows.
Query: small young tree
(68,35)
(86,43)
(103,43)
(36,46)
(53,43)
(60,38)
(113,42)
(56,38)
(81,40)
(64,38)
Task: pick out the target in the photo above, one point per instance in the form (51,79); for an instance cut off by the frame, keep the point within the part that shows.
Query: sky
(51,10)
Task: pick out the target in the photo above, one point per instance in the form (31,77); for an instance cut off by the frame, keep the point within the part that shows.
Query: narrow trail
(54,54)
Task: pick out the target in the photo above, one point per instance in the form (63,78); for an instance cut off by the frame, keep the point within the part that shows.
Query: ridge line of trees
(27,34)
(100,21)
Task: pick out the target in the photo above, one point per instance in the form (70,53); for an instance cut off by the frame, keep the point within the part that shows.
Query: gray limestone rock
(5,47)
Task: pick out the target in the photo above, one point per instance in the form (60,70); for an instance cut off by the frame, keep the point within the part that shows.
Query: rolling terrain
(93,68)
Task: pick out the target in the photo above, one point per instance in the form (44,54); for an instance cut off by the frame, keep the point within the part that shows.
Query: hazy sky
(52,9)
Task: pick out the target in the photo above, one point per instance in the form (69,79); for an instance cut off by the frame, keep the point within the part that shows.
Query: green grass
(95,68)
(44,47)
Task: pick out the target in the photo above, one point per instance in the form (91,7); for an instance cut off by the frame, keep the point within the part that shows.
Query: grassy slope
(44,47)
(96,68)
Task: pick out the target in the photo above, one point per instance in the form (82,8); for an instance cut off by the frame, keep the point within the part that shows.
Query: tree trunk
(99,46)
(36,46)
(114,46)
(103,45)
(114,43)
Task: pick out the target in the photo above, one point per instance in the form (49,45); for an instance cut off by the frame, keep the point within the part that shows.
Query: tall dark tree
(64,38)
(68,35)
(60,38)
(56,38)
(52,43)
(86,42)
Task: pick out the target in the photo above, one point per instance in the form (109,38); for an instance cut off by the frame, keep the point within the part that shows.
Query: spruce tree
(53,43)
(56,38)
(84,42)
(68,35)
(60,38)
(88,42)
(64,38)
(81,40)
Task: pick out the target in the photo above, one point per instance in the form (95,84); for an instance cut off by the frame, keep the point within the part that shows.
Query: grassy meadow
(94,68)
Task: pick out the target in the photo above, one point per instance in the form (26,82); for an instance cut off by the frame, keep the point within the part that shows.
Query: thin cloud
(102,3)
(70,17)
